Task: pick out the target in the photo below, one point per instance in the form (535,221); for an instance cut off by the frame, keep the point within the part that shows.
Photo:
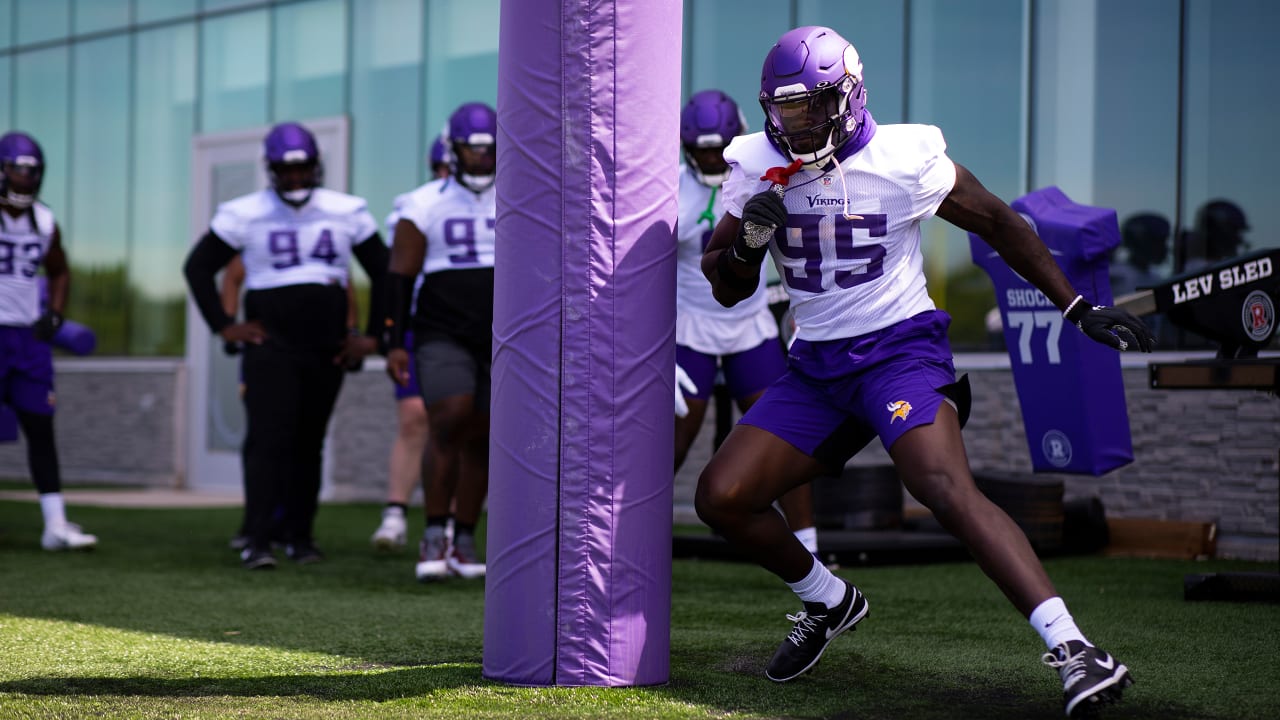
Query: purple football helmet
(438,159)
(293,162)
(707,123)
(21,170)
(472,135)
(812,94)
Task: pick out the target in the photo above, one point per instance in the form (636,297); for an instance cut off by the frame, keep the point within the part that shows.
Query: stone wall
(1198,454)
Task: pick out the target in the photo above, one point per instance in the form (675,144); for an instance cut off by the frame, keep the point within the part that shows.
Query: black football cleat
(814,629)
(1091,678)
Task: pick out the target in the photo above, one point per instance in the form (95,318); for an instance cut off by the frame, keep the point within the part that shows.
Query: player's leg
(408,456)
(931,462)
(323,381)
(747,374)
(736,492)
(26,385)
(701,369)
(447,376)
(472,489)
(271,390)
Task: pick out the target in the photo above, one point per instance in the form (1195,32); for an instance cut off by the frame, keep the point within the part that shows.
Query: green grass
(160,622)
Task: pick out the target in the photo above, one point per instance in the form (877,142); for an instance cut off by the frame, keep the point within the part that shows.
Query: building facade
(1150,107)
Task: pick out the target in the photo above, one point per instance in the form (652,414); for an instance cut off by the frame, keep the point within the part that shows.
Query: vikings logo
(899,410)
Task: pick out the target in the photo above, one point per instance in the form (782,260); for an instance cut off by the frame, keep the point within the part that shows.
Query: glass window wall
(146,11)
(1083,94)
(41,21)
(164,112)
(95,227)
(98,15)
(310,68)
(388,156)
(235,70)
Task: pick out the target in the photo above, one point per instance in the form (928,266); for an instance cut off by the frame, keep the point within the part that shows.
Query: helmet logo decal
(898,410)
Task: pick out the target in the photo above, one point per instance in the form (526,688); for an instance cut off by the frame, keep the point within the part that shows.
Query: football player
(445,233)
(295,240)
(870,357)
(742,341)
(30,240)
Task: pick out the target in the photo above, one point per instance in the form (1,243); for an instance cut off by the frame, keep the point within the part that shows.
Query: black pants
(289,397)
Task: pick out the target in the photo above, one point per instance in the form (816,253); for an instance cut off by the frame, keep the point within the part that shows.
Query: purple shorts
(745,373)
(411,390)
(838,395)
(26,371)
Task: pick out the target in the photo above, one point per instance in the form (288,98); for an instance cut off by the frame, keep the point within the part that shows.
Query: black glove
(47,326)
(763,210)
(1109,326)
(231,348)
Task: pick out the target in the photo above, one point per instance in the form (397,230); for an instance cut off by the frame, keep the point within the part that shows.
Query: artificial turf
(161,622)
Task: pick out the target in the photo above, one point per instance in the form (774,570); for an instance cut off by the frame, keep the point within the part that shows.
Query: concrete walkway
(135,498)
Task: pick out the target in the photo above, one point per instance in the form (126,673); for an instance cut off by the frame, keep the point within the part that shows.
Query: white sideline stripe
(157,498)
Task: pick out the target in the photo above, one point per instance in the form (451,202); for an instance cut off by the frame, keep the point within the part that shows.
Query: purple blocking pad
(1070,387)
(579,534)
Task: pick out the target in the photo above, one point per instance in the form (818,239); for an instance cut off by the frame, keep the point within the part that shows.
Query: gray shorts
(447,368)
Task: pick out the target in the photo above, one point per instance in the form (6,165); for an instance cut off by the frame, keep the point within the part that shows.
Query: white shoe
(462,559)
(67,537)
(393,532)
(432,564)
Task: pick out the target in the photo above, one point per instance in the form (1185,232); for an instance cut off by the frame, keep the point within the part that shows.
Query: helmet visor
(805,119)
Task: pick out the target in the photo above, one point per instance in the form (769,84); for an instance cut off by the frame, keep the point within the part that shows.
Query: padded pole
(579,533)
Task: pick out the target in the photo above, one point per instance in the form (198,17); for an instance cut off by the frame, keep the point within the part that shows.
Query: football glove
(48,325)
(762,215)
(1109,326)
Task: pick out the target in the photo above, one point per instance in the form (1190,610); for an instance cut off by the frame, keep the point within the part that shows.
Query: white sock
(809,538)
(55,512)
(820,585)
(1055,624)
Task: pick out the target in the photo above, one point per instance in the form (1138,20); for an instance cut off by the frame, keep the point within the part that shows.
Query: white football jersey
(702,323)
(282,245)
(457,223)
(848,276)
(22,249)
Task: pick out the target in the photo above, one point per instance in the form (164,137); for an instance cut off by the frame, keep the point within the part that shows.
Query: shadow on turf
(380,686)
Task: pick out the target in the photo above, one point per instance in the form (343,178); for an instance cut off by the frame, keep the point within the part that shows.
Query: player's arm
(408,251)
(372,255)
(732,281)
(58,276)
(210,255)
(232,280)
(970,206)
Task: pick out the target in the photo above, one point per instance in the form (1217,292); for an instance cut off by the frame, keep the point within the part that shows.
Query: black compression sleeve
(374,256)
(209,256)
(399,298)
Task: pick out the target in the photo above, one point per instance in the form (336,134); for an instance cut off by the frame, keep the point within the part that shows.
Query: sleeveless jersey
(23,246)
(282,245)
(702,323)
(455,293)
(850,276)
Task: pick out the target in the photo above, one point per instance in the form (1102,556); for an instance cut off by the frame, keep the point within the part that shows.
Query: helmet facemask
(296,181)
(475,162)
(20,180)
(812,125)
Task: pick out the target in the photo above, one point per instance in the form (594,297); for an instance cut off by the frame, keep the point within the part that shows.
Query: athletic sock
(820,585)
(809,538)
(399,506)
(55,512)
(1055,624)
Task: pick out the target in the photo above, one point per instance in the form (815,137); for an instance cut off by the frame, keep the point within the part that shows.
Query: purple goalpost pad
(579,528)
